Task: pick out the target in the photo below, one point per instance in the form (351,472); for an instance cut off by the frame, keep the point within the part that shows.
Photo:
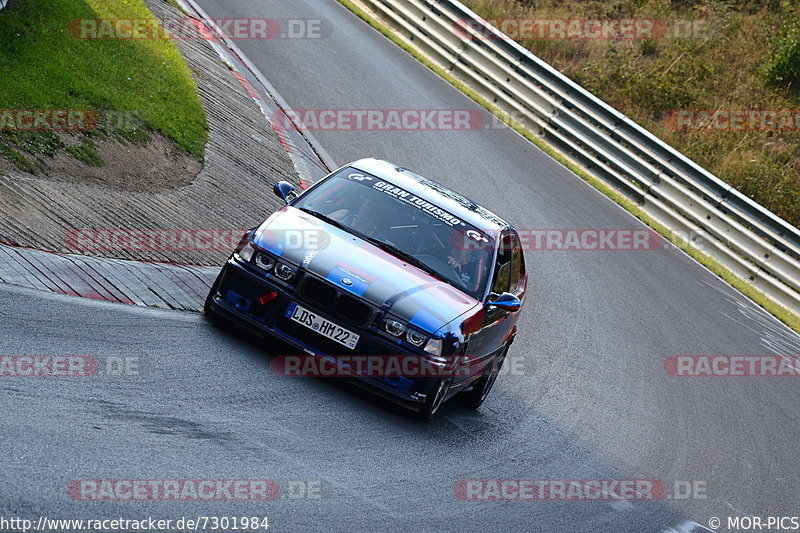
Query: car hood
(376,276)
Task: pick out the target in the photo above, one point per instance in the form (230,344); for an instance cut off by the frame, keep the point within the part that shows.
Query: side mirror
(283,190)
(507,302)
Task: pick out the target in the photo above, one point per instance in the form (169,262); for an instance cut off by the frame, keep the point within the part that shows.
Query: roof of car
(434,192)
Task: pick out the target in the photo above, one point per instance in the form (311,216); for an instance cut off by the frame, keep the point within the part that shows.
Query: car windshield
(379,211)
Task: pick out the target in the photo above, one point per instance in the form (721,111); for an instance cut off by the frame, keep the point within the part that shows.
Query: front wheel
(480,391)
(435,400)
(208,310)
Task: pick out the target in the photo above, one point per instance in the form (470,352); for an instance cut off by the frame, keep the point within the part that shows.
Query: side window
(517,264)
(502,271)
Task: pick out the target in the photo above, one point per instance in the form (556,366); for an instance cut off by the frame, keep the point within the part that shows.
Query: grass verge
(711,55)
(781,313)
(145,80)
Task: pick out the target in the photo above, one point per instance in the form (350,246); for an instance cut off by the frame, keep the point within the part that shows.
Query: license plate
(324,327)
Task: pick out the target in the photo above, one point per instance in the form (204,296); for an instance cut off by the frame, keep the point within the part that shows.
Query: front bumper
(237,298)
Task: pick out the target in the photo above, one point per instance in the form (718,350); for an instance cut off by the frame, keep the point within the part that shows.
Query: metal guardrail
(701,209)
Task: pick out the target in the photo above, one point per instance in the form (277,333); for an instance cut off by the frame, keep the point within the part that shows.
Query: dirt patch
(156,164)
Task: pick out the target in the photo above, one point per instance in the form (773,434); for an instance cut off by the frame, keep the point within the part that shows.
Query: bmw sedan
(375,261)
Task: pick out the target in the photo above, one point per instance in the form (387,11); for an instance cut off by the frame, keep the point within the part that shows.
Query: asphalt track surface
(585,394)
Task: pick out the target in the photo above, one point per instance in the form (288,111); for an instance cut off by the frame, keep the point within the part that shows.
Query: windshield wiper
(325,218)
(405,256)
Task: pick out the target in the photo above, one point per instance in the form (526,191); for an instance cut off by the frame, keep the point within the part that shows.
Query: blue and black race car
(376,260)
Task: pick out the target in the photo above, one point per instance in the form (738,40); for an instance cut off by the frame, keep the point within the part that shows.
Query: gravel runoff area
(232,192)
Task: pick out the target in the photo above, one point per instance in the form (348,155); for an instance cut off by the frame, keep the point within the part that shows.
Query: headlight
(400,330)
(265,262)
(393,327)
(434,347)
(246,253)
(285,272)
(417,339)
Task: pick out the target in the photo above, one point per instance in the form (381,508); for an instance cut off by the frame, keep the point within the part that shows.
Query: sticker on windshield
(419,203)
(476,236)
(360,177)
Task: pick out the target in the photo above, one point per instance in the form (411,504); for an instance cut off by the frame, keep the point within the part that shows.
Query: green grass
(780,312)
(17,158)
(26,149)
(45,67)
(783,67)
(86,151)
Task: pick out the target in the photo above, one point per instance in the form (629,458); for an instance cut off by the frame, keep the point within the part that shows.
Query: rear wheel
(435,399)
(475,397)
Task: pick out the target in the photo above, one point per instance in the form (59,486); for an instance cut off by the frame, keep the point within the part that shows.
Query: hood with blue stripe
(361,268)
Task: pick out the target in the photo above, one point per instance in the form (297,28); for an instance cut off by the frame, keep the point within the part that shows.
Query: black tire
(480,391)
(435,400)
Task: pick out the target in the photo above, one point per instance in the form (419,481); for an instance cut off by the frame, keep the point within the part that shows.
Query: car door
(492,332)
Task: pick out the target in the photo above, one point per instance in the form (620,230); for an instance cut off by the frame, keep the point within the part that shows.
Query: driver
(365,218)
(465,263)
